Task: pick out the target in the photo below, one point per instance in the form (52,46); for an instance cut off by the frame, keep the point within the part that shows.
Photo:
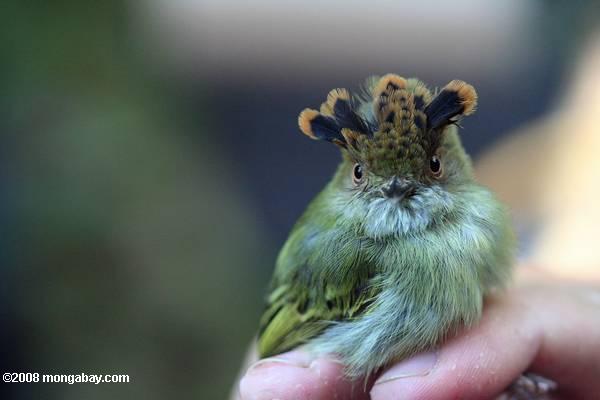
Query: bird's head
(403,163)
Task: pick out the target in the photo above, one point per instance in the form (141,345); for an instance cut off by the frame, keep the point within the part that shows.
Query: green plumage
(393,255)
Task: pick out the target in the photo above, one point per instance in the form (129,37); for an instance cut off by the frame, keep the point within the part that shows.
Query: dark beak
(399,188)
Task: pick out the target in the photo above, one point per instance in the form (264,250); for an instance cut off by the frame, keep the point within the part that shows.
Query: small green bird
(400,248)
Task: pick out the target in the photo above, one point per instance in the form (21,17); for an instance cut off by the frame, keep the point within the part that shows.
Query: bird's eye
(357,174)
(435,166)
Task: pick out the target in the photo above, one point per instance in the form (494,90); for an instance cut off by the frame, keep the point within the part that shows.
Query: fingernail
(419,365)
(296,359)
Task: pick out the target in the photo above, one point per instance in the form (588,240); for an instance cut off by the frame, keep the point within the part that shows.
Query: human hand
(549,327)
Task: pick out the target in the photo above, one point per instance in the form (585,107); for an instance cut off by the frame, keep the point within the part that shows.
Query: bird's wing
(297,311)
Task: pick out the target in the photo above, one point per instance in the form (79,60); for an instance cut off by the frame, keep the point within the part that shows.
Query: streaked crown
(396,127)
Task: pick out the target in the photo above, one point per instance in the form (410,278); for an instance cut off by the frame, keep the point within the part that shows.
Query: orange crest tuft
(405,119)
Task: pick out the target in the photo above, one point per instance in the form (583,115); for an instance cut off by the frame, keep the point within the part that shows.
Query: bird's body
(401,246)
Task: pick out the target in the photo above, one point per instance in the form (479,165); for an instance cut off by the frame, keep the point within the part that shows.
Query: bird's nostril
(398,189)
(390,190)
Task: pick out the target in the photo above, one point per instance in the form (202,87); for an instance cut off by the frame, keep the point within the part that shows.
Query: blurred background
(151,165)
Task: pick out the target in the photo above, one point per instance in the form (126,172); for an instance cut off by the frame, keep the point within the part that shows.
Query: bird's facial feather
(390,205)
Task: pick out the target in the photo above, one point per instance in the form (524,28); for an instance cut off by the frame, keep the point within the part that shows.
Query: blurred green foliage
(135,252)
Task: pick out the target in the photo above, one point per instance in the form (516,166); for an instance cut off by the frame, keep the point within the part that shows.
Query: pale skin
(541,324)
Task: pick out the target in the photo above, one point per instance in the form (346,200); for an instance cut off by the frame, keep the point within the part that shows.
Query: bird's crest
(399,119)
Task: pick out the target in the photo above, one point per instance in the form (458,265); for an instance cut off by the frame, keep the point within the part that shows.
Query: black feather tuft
(326,128)
(443,109)
(457,99)
(347,118)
